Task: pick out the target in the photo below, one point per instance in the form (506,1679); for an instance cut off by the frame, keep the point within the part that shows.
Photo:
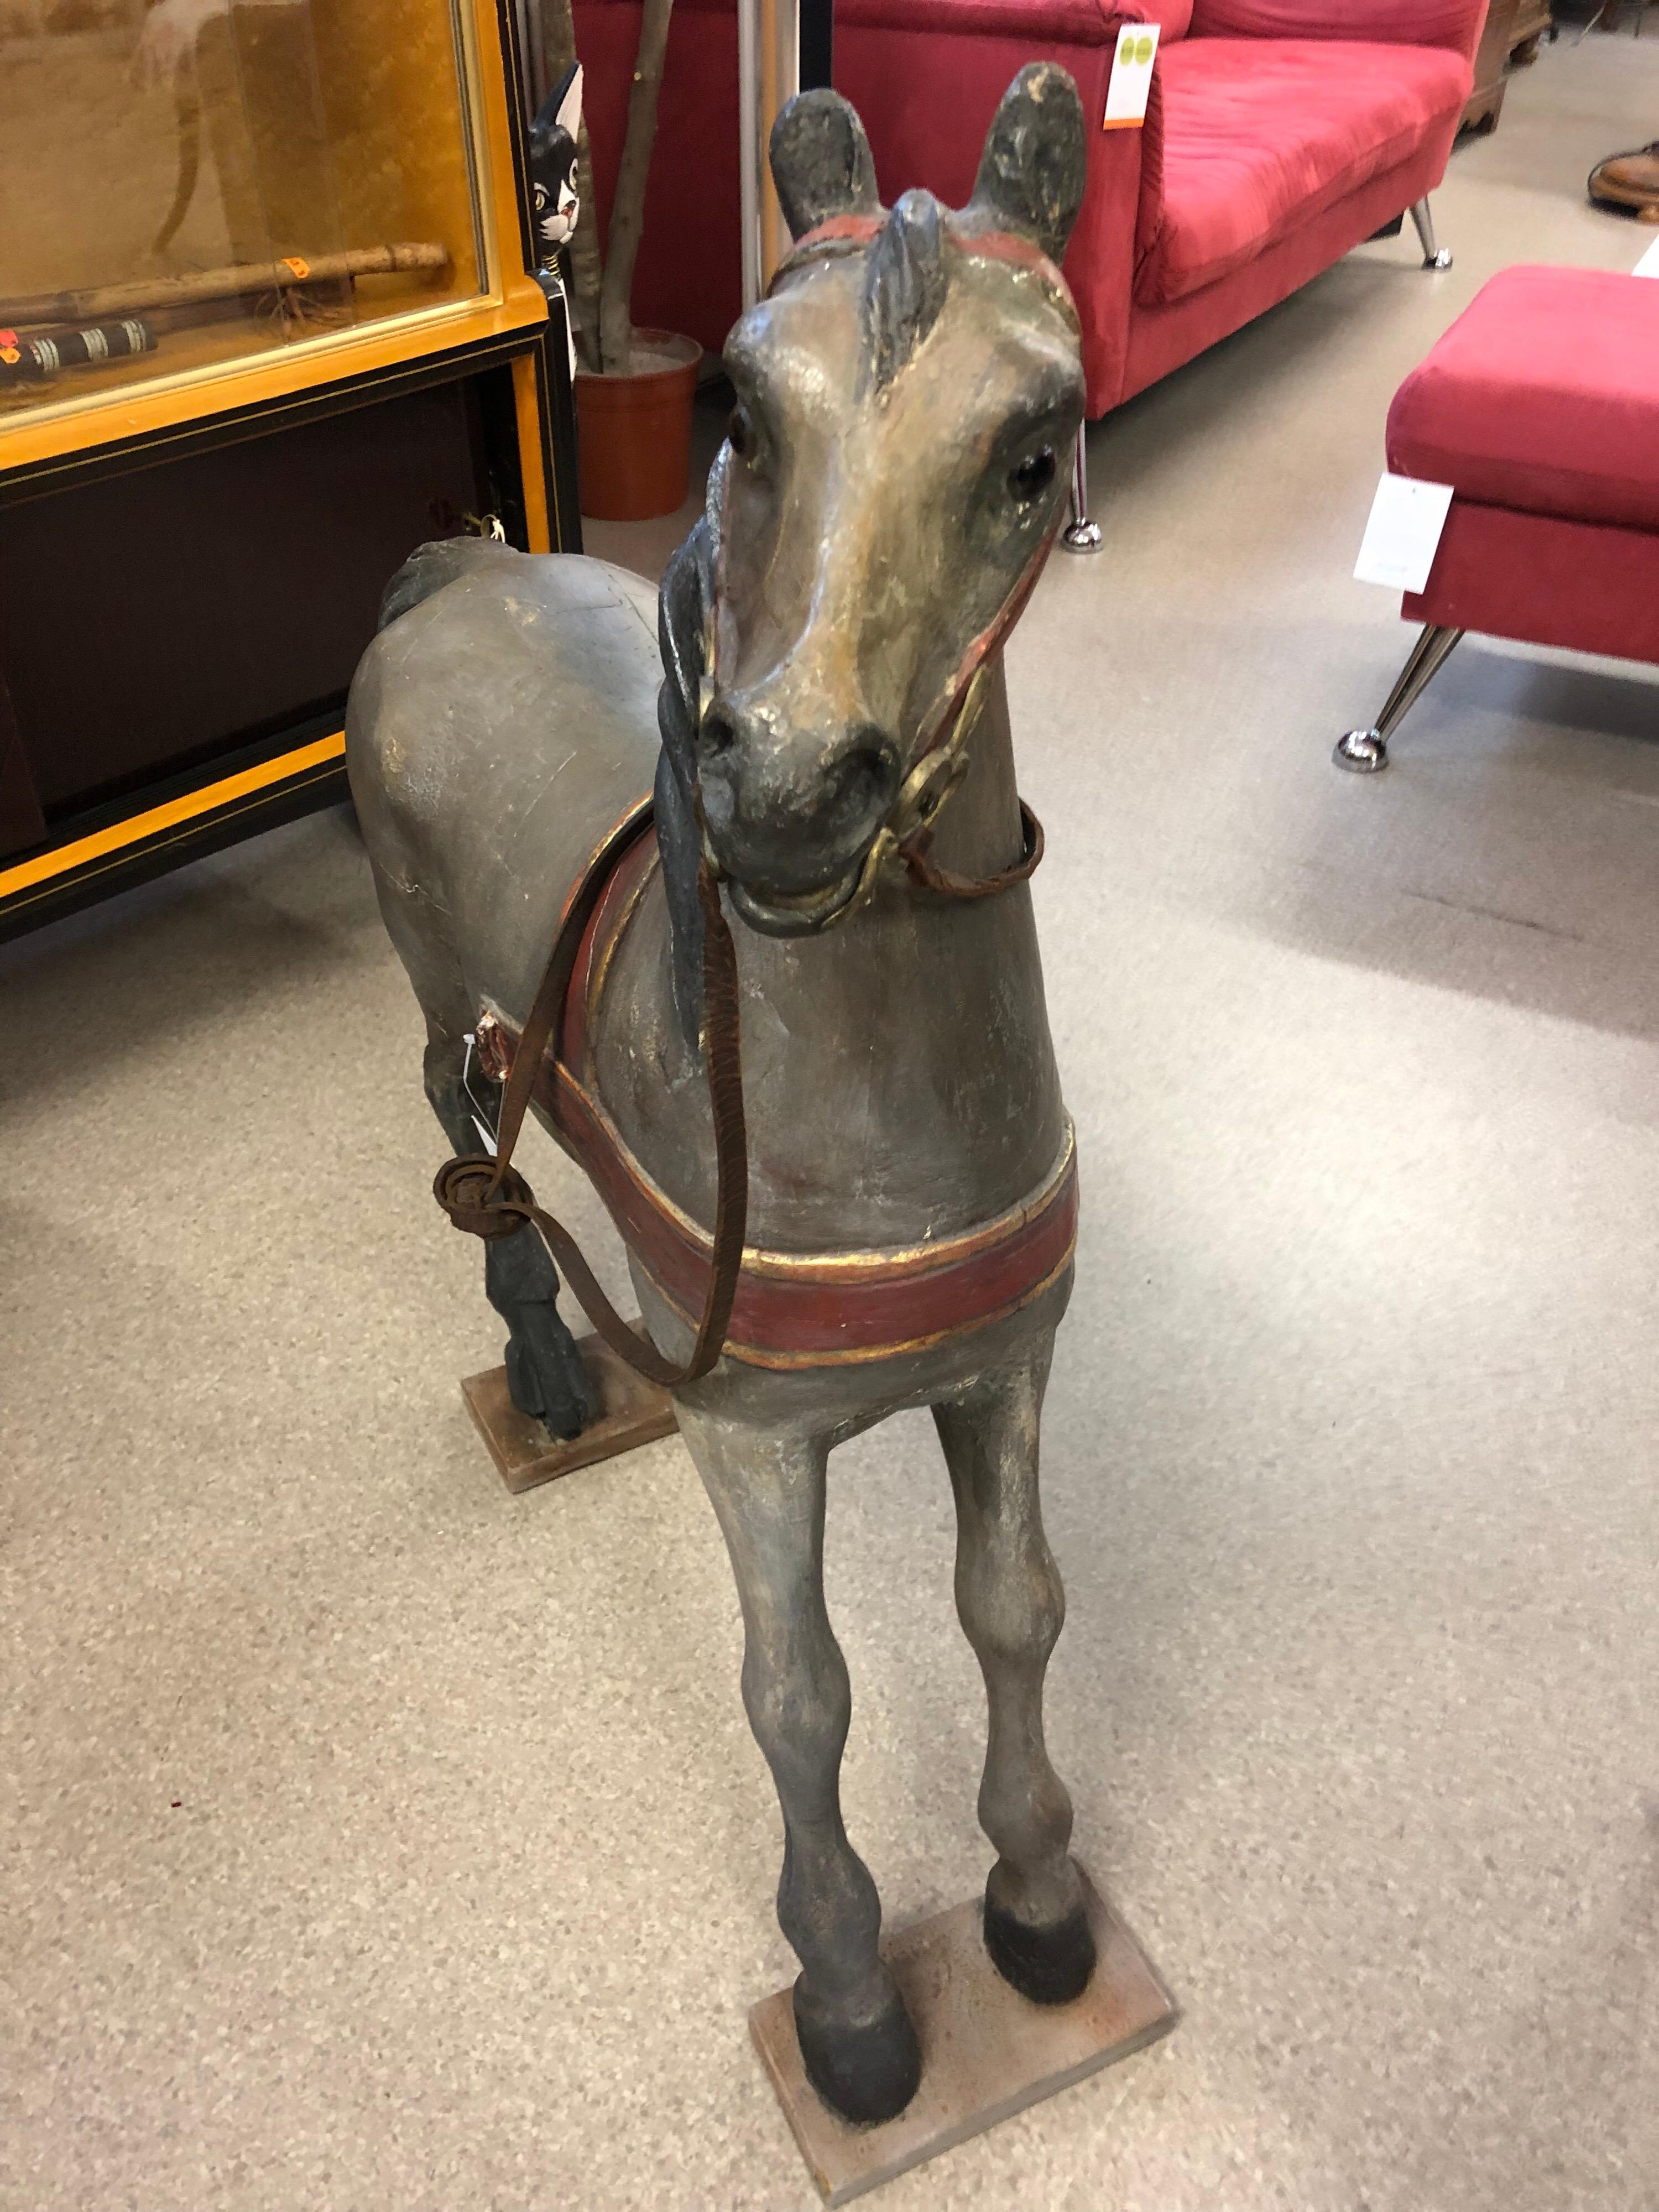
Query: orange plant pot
(633,433)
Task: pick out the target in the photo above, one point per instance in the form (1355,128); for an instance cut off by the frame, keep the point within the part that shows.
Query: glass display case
(188,183)
(269,319)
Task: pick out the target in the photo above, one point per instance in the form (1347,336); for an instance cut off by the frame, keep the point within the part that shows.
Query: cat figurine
(558,200)
(553,137)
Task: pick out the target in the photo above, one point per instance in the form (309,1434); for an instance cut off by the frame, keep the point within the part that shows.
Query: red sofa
(1280,134)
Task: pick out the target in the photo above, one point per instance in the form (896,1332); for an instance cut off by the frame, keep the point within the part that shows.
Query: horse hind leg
(545,1377)
(1011,1606)
(857,2042)
(545,1373)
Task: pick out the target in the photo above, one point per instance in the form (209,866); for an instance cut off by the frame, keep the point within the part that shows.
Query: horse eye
(1032,476)
(740,433)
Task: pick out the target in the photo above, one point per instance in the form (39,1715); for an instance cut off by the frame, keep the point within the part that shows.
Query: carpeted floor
(374,1841)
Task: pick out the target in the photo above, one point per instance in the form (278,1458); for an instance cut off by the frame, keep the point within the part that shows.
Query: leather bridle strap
(916,849)
(489,1198)
(907,835)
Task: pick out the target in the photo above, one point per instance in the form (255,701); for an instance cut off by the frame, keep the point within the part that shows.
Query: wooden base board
(631,1411)
(987,2052)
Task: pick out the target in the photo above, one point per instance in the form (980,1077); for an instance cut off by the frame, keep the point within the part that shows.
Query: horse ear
(821,163)
(1035,164)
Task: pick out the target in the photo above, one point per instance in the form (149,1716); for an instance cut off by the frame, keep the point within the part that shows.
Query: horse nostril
(717,733)
(868,768)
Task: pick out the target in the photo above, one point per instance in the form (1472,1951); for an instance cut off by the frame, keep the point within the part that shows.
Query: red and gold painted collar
(792,1309)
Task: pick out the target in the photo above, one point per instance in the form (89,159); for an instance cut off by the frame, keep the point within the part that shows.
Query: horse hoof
(546,1379)
(864,2071)
(1050,1965)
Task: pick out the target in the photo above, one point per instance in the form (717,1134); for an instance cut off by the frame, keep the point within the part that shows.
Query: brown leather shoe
(1629,180)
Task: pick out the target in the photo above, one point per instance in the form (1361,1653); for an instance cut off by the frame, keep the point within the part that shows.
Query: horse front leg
(857,2042)
(1012,1606)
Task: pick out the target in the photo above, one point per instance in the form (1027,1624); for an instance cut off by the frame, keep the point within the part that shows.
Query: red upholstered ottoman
(1540,406)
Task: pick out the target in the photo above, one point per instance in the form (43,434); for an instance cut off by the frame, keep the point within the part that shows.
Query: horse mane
(907,275)
(684,610)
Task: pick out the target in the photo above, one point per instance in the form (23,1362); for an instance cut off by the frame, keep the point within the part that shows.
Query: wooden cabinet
(1532,19)
(281,330)
(1513,30)
(1491,63)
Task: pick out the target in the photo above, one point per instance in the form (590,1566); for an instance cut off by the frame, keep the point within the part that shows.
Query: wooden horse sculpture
(827,730)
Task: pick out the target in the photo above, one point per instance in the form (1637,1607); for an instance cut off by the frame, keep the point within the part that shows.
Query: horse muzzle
(790,815)
(796,914)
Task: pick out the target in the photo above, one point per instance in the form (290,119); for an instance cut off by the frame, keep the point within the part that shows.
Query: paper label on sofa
(1403,535)
(1649,264)
(1132,77)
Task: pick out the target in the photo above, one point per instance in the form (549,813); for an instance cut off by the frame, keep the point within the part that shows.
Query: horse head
(894,473)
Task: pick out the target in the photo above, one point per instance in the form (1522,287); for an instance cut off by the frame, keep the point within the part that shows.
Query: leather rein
(487,1197)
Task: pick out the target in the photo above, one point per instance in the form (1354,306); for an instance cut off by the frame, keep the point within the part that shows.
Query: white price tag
(1403,535)
(1649,264)
(480,1114)
(1132,77)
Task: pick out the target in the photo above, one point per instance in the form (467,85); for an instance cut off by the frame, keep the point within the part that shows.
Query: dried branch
(586,271)
(627,208)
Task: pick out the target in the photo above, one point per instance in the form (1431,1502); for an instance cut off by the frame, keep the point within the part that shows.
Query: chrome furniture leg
(1366,751)
(1080,535)
(1434,257)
